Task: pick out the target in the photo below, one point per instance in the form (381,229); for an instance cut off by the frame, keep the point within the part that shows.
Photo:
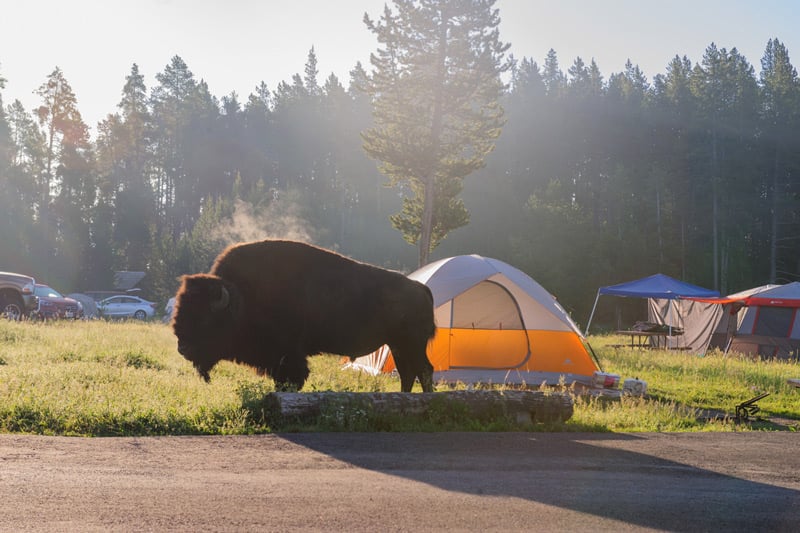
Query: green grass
(687,392)
(126,378)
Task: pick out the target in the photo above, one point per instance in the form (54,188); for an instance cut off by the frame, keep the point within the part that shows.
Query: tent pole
(594,355)
(589,323)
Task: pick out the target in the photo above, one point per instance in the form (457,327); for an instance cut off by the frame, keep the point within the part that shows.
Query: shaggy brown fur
(270,304)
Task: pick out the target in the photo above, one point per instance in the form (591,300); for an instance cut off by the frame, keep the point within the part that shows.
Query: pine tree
(169,102)
(127,200)
(435,87)
(780,89)
(674,110)
(10,201)
(68,183)
(311,73)
(725,87)
(553,77)
(63,126)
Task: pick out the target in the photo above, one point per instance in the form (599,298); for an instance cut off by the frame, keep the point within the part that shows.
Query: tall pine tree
(67,187)
(435,87)
(780,91)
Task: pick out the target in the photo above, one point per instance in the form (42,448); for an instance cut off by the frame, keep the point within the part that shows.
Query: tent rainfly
(495,324)
(655,287)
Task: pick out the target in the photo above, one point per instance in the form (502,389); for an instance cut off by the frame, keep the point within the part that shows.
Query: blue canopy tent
(658,286)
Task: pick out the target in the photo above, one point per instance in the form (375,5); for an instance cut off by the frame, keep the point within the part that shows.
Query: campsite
(515,187)
(695,431)
(400,265)
(697,361)
(668,451)
(126,378)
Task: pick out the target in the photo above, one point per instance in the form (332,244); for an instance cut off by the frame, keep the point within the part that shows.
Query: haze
(236,44)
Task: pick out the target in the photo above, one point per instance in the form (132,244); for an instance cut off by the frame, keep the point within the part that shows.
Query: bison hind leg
(426,377)
(412,363)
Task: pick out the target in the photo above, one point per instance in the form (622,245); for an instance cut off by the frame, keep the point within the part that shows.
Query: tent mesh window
(774,321)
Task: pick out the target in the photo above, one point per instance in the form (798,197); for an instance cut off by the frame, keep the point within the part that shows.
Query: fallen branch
(524,406)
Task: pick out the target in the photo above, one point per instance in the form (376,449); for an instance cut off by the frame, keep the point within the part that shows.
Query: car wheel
(12,307)
(139,315)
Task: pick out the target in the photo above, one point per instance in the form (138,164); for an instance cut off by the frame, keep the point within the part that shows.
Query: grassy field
(125,378)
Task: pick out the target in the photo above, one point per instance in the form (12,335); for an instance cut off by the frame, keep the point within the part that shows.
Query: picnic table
(642,332)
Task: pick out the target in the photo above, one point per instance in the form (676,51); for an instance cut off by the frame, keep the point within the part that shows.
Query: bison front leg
(406,380)
(291,372)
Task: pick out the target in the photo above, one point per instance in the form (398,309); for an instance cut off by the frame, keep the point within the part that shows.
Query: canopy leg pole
(671,319)
(728,345)
(589,323)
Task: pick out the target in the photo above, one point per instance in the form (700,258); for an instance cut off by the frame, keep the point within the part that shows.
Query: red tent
(771,324)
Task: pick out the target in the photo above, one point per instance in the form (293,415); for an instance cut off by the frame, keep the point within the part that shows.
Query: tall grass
(110,378)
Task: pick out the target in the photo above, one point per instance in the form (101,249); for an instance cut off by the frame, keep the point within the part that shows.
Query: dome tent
(494,324)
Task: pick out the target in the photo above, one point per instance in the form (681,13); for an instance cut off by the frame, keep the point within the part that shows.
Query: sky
(235,44)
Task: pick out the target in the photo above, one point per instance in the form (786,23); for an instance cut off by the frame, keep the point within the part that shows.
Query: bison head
(203,320)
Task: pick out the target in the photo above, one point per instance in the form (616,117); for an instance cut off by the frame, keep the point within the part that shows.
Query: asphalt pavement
(403,482)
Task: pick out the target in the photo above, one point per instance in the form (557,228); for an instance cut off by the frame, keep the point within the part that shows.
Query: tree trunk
(426,231)
(658,227)
(773,237)
(524,406)
(714,207)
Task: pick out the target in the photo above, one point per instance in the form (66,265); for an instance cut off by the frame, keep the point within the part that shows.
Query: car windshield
(47,292)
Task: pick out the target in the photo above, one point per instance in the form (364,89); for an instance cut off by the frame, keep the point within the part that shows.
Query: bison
(270,304)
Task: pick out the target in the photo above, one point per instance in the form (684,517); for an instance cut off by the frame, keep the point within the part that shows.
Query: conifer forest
(582,178)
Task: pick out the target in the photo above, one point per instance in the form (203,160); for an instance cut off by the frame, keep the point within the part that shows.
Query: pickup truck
(17,299)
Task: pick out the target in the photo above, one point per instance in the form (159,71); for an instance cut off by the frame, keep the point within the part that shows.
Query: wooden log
(524,406)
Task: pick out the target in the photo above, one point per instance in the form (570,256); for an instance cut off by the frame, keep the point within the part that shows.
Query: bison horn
(224,300)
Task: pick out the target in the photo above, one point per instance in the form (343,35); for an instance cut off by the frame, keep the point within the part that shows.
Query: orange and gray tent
(495,324)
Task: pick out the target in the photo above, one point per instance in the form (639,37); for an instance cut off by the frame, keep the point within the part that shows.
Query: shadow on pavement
(589,472)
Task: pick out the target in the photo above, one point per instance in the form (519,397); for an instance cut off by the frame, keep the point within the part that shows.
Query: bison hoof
(285,386)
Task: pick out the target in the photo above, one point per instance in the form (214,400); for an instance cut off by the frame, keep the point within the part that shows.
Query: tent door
(487,330)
